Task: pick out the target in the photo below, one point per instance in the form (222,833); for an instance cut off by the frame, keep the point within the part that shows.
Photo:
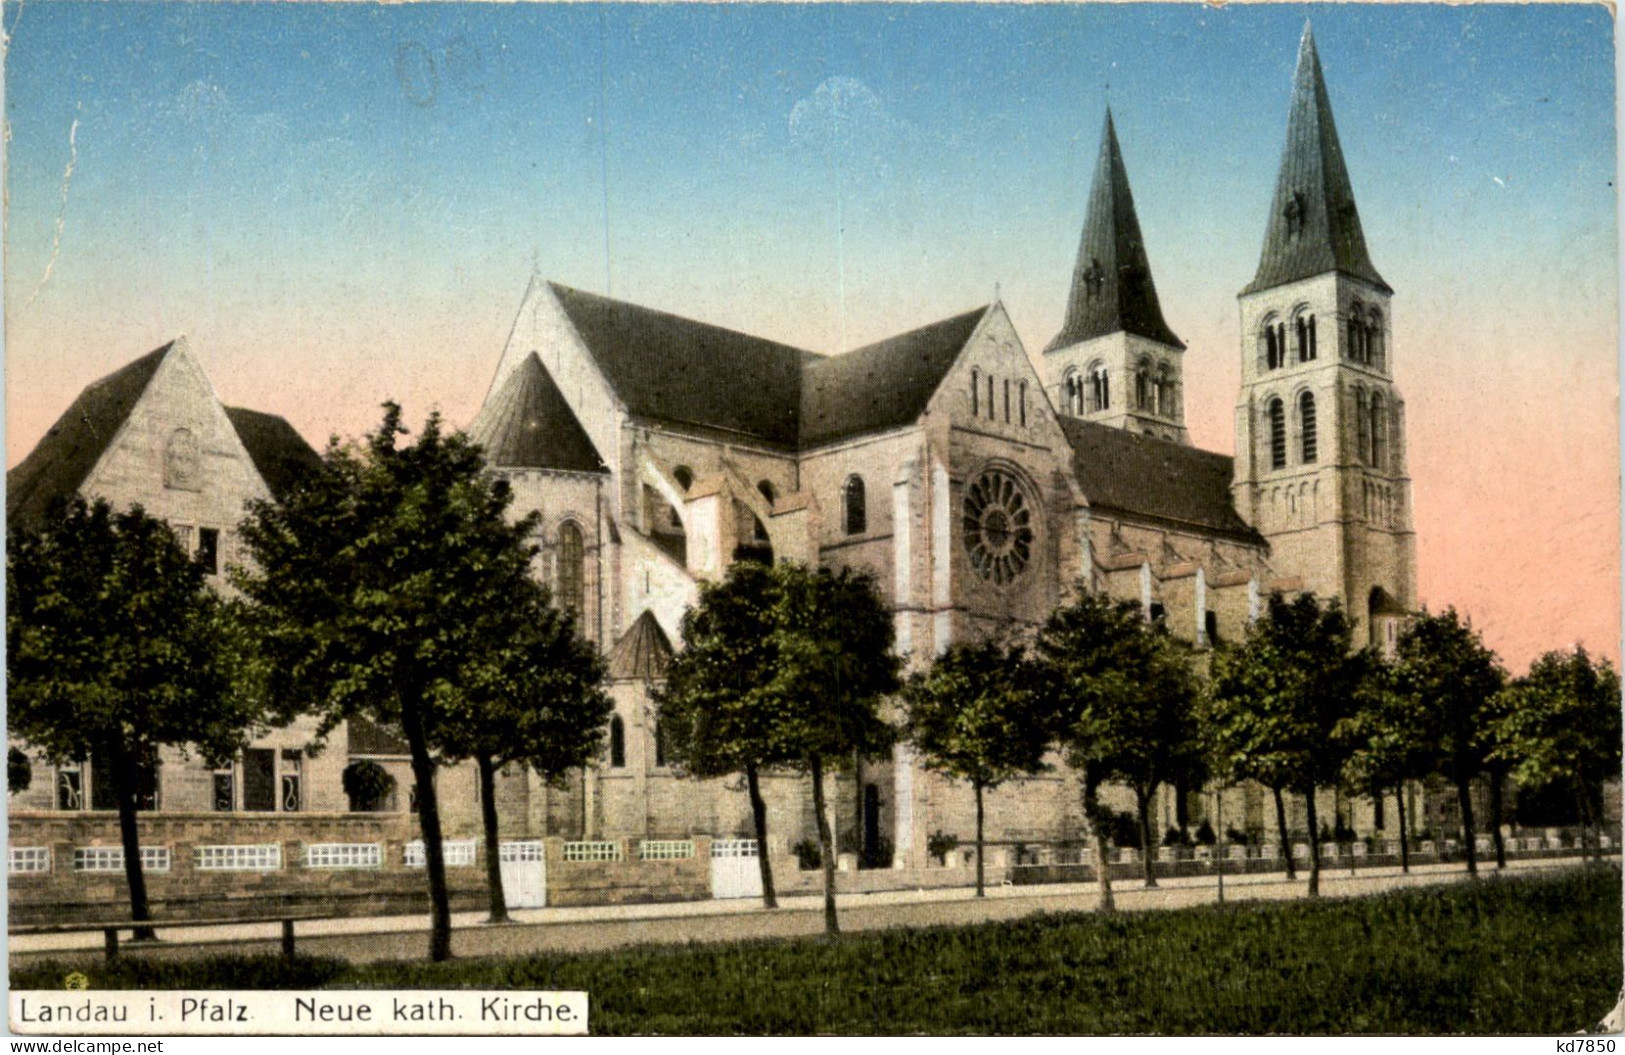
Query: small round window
(997,527)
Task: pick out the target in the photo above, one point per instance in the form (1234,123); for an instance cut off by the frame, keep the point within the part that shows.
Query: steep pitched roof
(675,369)
(528,424)
(1147,477)
(1112,288)
(59,463)
(643,653)
(882,385)
(279,453)
(1314,226)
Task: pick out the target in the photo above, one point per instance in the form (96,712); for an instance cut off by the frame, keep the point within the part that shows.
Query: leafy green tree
(1389,742)
(973,716)
(372,592)
(832,637)
(1443,666)
(1121,695)
(1279,700)
(717,717)
(532,695)
(1561,726)
(116,646)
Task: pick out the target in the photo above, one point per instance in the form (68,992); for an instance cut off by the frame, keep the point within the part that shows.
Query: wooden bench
(110,931)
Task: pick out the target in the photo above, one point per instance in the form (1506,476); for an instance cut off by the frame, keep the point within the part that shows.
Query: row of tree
(392,585)
(1296,708)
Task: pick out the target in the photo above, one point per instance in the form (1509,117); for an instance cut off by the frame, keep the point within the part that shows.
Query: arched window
(765,487)
(1142,385)
(1165,391)
(1007,401)
(684,477)
(1306,338)
(660,742)
(1072,394)
(1356,348)
(1277,418)
(1373,340)
(975,393)
(991,411)
(1024,402)
(1100,388)
(617,743)
(1362,427)
(857,512)
(1379,430)
(572,566)
(1272,347)
(1306,427)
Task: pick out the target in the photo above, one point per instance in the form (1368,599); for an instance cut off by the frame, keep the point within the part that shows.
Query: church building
(978,483)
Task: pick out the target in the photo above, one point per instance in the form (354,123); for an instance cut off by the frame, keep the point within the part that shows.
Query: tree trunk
(826,849)
(981,872)
(1590,846)
(1148,848)
(1497,806)
(1464,795)
(1091,813)
(1404,833)
(434,856)
(126,776)
(493,850)
(857,808)
(1286,836)
(758,813)
(1314,844)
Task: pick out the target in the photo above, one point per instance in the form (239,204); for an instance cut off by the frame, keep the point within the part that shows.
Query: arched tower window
(1142,385)
(1272,347)
(857,512)
(572,567)
(1165,391)
(1379,430)
(1305,326)
(975,393)
(1373,340)
(1362,427)
(1024,403)
(991,411)
(1100,388)
(617,743)
(1277,419)
(1356,345)
(1072,394)
(1306,427)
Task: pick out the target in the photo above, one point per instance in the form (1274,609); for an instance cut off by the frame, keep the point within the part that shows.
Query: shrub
(808,855)
(19,771)
(1343,833)
(368,785)
(939,844)
(877,856)
(1204,834)
(1122,829)
(1236,837)
(1175,837)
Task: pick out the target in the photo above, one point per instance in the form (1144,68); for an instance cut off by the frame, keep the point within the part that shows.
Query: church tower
(1320,428)
(1115,360)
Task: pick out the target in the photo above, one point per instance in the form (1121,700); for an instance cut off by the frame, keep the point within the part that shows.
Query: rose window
(997,527)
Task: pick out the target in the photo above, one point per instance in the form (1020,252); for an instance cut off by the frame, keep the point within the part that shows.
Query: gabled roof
(280,454)
(1143,476)
(1314,226)
(642,654)
(366,737)
(528,424)
(1112,288)
(882,385)
(675,369)
(59,463)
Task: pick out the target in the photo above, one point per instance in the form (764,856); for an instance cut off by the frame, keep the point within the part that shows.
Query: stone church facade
(978,488)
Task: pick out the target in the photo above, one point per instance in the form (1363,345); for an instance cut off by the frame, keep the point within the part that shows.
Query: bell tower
(1115,360)
(1320,427)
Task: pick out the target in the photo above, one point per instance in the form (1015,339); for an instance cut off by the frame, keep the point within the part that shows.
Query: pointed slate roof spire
(1112,288)
(642,654)
(1314,226)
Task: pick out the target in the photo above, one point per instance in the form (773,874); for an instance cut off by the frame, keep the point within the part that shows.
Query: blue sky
(340,204)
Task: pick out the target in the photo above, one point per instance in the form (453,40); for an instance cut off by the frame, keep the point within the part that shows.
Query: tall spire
(1314,226)
(1111,286)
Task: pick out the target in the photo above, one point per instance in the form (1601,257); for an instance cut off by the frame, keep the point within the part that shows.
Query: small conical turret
(1112,289)
(1314,226)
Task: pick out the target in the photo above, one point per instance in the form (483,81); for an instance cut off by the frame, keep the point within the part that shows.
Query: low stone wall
(628,880)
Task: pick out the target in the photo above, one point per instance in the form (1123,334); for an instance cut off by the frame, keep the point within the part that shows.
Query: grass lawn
(1527,955)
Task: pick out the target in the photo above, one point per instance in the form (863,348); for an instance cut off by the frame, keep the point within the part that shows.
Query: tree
(1121,695)
(116,646)
(832,636)
(533,695)
(712,705)
(374,583)
(1560,725)
(1389,742)
(973,716)
(1452,679)
(1278,701)
(367,785)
